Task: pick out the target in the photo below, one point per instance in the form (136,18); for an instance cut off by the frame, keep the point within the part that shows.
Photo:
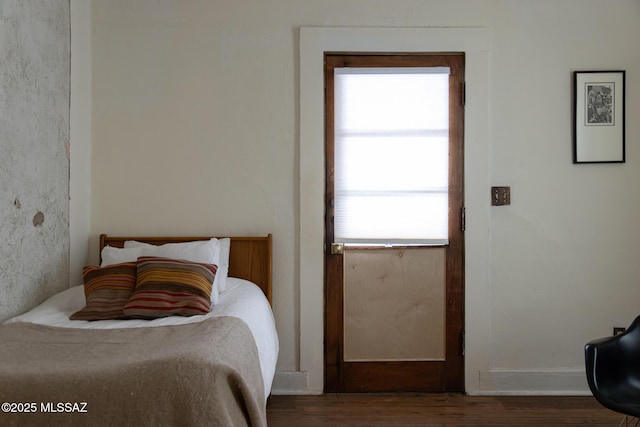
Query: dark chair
(613,371)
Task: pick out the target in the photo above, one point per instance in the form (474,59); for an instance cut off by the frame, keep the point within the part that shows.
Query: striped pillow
(171,287)
(107,290)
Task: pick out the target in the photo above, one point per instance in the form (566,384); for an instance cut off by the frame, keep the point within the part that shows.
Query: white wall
(195,129)
(564,255)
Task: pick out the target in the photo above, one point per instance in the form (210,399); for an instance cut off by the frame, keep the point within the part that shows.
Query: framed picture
(598,128)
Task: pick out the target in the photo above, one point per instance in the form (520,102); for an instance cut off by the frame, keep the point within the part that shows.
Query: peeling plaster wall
(34,152)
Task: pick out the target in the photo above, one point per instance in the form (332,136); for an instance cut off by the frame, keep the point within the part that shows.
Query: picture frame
(599,116)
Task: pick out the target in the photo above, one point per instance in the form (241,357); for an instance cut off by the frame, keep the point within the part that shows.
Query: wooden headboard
(249,258)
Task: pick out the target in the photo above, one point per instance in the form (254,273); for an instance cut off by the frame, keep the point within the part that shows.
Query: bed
(212,369)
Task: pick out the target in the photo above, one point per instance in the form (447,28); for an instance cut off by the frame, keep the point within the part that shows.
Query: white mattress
(241,299)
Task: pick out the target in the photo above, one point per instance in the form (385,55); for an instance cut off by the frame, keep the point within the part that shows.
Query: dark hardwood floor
(450,410)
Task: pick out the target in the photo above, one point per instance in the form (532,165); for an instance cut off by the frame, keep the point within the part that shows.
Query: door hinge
(464,93)
(462,343)
(463,218)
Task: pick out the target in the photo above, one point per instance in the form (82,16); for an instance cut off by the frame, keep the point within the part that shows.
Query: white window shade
(391,155)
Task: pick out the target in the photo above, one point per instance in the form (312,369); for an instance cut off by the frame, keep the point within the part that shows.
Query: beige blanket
(205,373)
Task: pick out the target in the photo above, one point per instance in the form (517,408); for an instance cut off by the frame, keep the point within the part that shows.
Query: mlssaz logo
(68,407)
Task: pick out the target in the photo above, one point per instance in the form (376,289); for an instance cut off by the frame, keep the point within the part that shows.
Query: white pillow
(223,267)
(111,255)
(206,251)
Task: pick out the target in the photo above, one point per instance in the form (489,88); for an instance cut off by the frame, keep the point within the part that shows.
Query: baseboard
(291,383)
(559,382)
(493,382)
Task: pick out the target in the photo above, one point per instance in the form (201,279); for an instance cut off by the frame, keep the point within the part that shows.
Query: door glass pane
(391,140)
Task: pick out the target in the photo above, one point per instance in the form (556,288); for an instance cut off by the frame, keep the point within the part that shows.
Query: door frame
(413,376)
(306,326)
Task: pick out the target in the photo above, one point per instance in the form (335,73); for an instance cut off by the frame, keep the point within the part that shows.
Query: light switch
(500,196)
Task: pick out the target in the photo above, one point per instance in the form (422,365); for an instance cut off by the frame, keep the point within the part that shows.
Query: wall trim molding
(495,382)
(561,382)
(291,383)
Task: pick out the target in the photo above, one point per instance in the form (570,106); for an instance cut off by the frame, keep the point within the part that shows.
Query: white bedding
(241,299)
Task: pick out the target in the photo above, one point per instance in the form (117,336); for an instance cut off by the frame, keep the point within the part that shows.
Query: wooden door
(343,371)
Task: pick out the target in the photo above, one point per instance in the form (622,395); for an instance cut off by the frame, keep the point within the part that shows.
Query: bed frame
(249,258)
